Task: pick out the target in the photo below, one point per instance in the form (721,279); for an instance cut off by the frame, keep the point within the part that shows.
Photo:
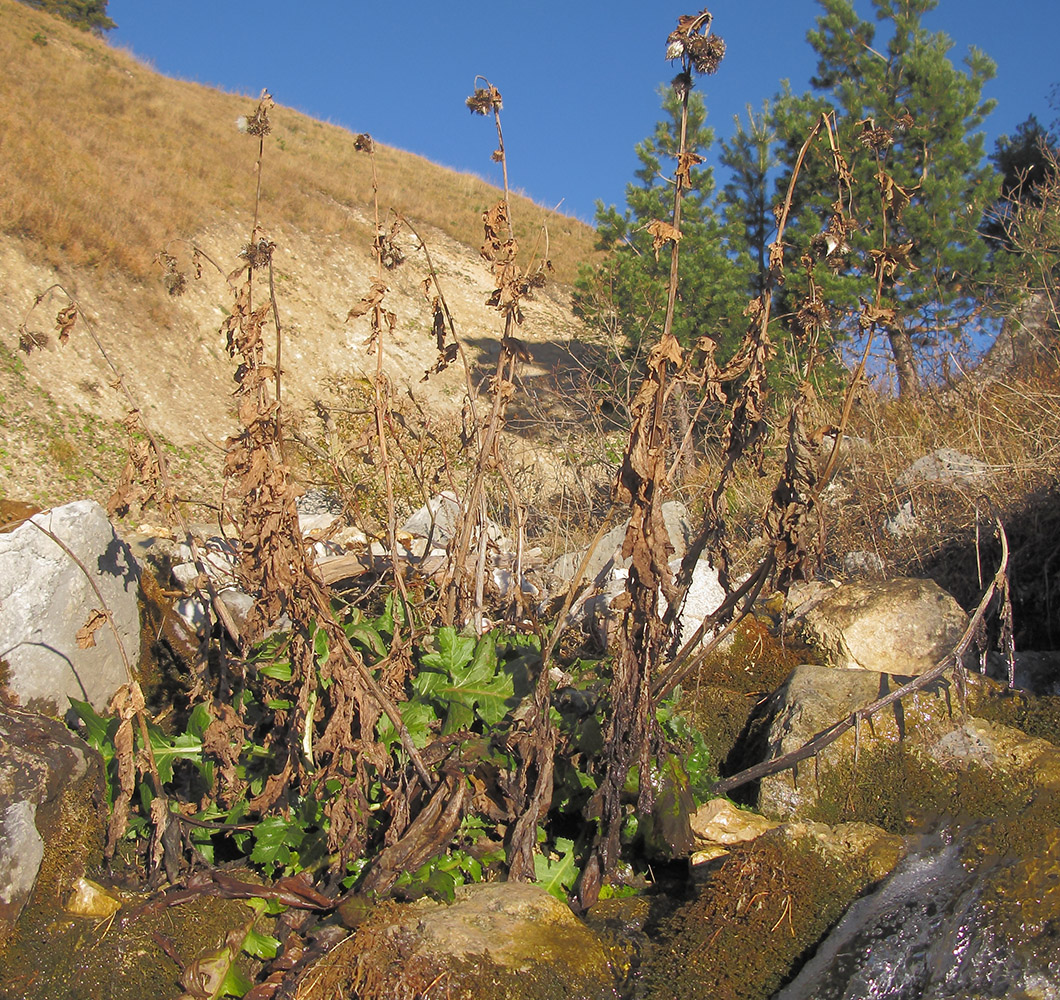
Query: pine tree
(1025,162)
(746,199)
(626,295)
(907,126)
(90,15)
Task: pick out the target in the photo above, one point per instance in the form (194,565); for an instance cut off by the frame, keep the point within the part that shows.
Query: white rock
(45,598)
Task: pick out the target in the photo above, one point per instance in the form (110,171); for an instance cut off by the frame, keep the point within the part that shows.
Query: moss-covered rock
(768,903)
(501,940)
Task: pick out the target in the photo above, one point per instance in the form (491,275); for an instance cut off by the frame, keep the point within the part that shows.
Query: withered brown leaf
(64,322)
(662,233)
(86,634)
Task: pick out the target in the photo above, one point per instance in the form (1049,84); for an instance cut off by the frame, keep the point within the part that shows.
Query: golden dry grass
(105,161)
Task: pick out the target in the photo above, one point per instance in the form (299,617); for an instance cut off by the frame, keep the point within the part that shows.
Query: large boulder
(46,599)
(51,811)
(498,940)
(915,757)
(902,626)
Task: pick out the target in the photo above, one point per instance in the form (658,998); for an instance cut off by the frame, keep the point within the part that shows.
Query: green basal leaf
(320,647)
(260,945)
(465,677)
(418,717)
(169,749)
(368,638)
(453,651)
(236,983)
(277,670)
(274,837)
(557,875)
(199,720)
(98,730)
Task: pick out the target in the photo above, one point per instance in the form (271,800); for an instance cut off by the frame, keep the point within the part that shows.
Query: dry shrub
(1012,426)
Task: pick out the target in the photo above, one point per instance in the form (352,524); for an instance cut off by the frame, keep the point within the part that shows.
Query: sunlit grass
(106,161)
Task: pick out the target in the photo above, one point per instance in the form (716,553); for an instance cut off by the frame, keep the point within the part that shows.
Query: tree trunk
(904,363)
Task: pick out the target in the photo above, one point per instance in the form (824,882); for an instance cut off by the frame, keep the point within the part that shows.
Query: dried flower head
(258,123)
(259,254)
(706,51)
(29,342)
(903,122)
(484,100)
(682,84)
(877,139)
(175,280)
(692,41)
(363,143)
(812,315)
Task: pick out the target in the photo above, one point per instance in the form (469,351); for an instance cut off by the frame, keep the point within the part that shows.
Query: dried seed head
(682,84)
(688,42)
(258,123)
(363,143)
(811,315)
(706,51)
(903,122)
(484,100)
(259,254)
(877,139)
(176,283)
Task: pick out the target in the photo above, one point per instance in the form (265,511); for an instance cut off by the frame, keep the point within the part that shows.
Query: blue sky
(579,78)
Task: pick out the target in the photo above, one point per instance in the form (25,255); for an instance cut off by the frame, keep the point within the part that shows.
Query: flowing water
(952,921)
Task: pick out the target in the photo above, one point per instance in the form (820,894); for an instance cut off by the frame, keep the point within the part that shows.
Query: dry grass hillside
(107,162)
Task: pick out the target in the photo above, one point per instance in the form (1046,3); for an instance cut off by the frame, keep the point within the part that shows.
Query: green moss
(767,904)
(1036,716)
(73,958)
(721,696)
(895,787)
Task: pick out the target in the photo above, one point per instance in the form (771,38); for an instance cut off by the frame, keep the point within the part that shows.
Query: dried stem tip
(692,42)
(484,100)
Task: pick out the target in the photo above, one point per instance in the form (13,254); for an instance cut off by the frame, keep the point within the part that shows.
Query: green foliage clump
(625,296)
(89,15)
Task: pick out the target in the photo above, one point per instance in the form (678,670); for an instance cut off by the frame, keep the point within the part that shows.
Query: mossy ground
(768,903)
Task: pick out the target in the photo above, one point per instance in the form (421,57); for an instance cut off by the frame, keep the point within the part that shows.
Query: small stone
(90,899)
(720,822)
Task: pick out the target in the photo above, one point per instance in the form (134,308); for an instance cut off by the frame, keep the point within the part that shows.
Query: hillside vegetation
(83,121)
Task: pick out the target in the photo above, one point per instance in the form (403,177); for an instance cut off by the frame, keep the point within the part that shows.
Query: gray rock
(812,699)
(902,626)
(860,563)
(928,725)
(902,522)
(51,809)
(45,599)
(438,519)
(607,555)
(946,466)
